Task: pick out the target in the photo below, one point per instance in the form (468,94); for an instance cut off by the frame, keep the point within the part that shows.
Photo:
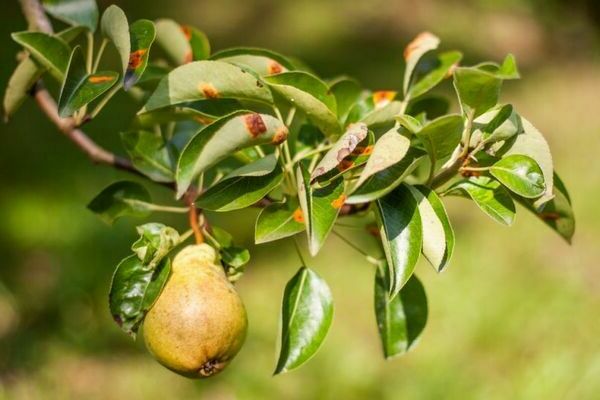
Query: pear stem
(190,199)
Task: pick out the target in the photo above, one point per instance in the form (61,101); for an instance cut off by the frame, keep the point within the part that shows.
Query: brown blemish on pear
(198,323)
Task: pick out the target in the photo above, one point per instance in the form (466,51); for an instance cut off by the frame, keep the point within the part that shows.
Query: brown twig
(190,199)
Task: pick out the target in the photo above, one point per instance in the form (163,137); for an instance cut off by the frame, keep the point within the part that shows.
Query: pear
(198,323)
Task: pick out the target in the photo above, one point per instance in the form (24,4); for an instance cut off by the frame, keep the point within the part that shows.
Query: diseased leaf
(263,62)
(423,43)
(278,221)
(79,87)
(489,195)
(401,319)
(74,12)
(142,34)
(445,62)
(150,155)
(383,182)
(243,187)
(355,133)
(50,51)
(320,207)
(223,138)
(198,42)
(309,94)
(121,199)
(521,174)
(206,80)
(306,315)
(401,234)
(173,40)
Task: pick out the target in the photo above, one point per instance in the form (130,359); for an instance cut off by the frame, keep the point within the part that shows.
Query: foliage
(310,151)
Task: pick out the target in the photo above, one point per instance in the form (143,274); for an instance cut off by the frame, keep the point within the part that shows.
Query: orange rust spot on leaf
(339,202)
(280,135)
(383,97)
(187,31)
(298,216)
(255,124)
(275,68)
(136,58)
(373,230)
(344,165)
(100,79)
(418,42)
(208,90)
(362,151)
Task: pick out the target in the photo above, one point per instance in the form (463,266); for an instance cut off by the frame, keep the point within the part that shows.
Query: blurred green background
(516,316)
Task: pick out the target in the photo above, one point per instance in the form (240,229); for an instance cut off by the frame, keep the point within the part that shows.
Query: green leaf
(431,106)
(441,136)
(74,12)
(233,257)
(530,142)
(401,319)
(498,124)
(81,88)
(198,42)
(206,80)
(409,123)
(263,62)
(508,69)
(278,221)
(423,43)
(202,111)
(401,234)
(444,64)
(342,148)
(440,211)
(309,94)
(306,315)
(134,289)
(173,40)
(142,34)
(384,115)
(434,234)
(477,90)
(243,187)
(50,51)
(383,182)
(221,139)
(489,195)
(150,155)
(155,242)
(557,213)
(390,149)
(320,207)
(121,199)
(347,92)
(116,28)
(521,174)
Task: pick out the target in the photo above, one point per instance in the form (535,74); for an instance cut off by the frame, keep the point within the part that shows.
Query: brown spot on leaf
(468,174)
(187,31)
(100,79)
(549,216)
(280,135)
(383,97)
(373,230)
(298,216)
(339,202)
(345,165)
(255,124)
(418,42)
(362,151)
(274,68)
(136,58)
(343,153)
(208,90)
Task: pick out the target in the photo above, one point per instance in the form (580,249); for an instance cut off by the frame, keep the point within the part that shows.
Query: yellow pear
(198,323)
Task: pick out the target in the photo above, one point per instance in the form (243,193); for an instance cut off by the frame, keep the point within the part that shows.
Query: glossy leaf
(173,40)
(342,148)
(263,62)
(390,149)
(310,95)
(150,155)
(320,207)
(306,315)
(441,136)
(498,124)
(383,182)
(134,289)
(557,213)
(278,221)
(521,174)
(198,41)
(243,187)
(223,138)
(489,195)
(423,43)
(445,62)
(477,90)
(142,34)
(74,12)
(206,80)
(401,234)
(402,319)
(440,211)
(50,51)
(155,242)
(81,88)
(530,142)
(121,199)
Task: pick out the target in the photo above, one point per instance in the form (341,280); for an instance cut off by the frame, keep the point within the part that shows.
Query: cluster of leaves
(246,126)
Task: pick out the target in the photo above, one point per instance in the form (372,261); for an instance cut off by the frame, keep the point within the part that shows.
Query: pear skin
(198,323)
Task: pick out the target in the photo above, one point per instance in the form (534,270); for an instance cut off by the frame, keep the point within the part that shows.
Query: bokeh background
(516,316)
